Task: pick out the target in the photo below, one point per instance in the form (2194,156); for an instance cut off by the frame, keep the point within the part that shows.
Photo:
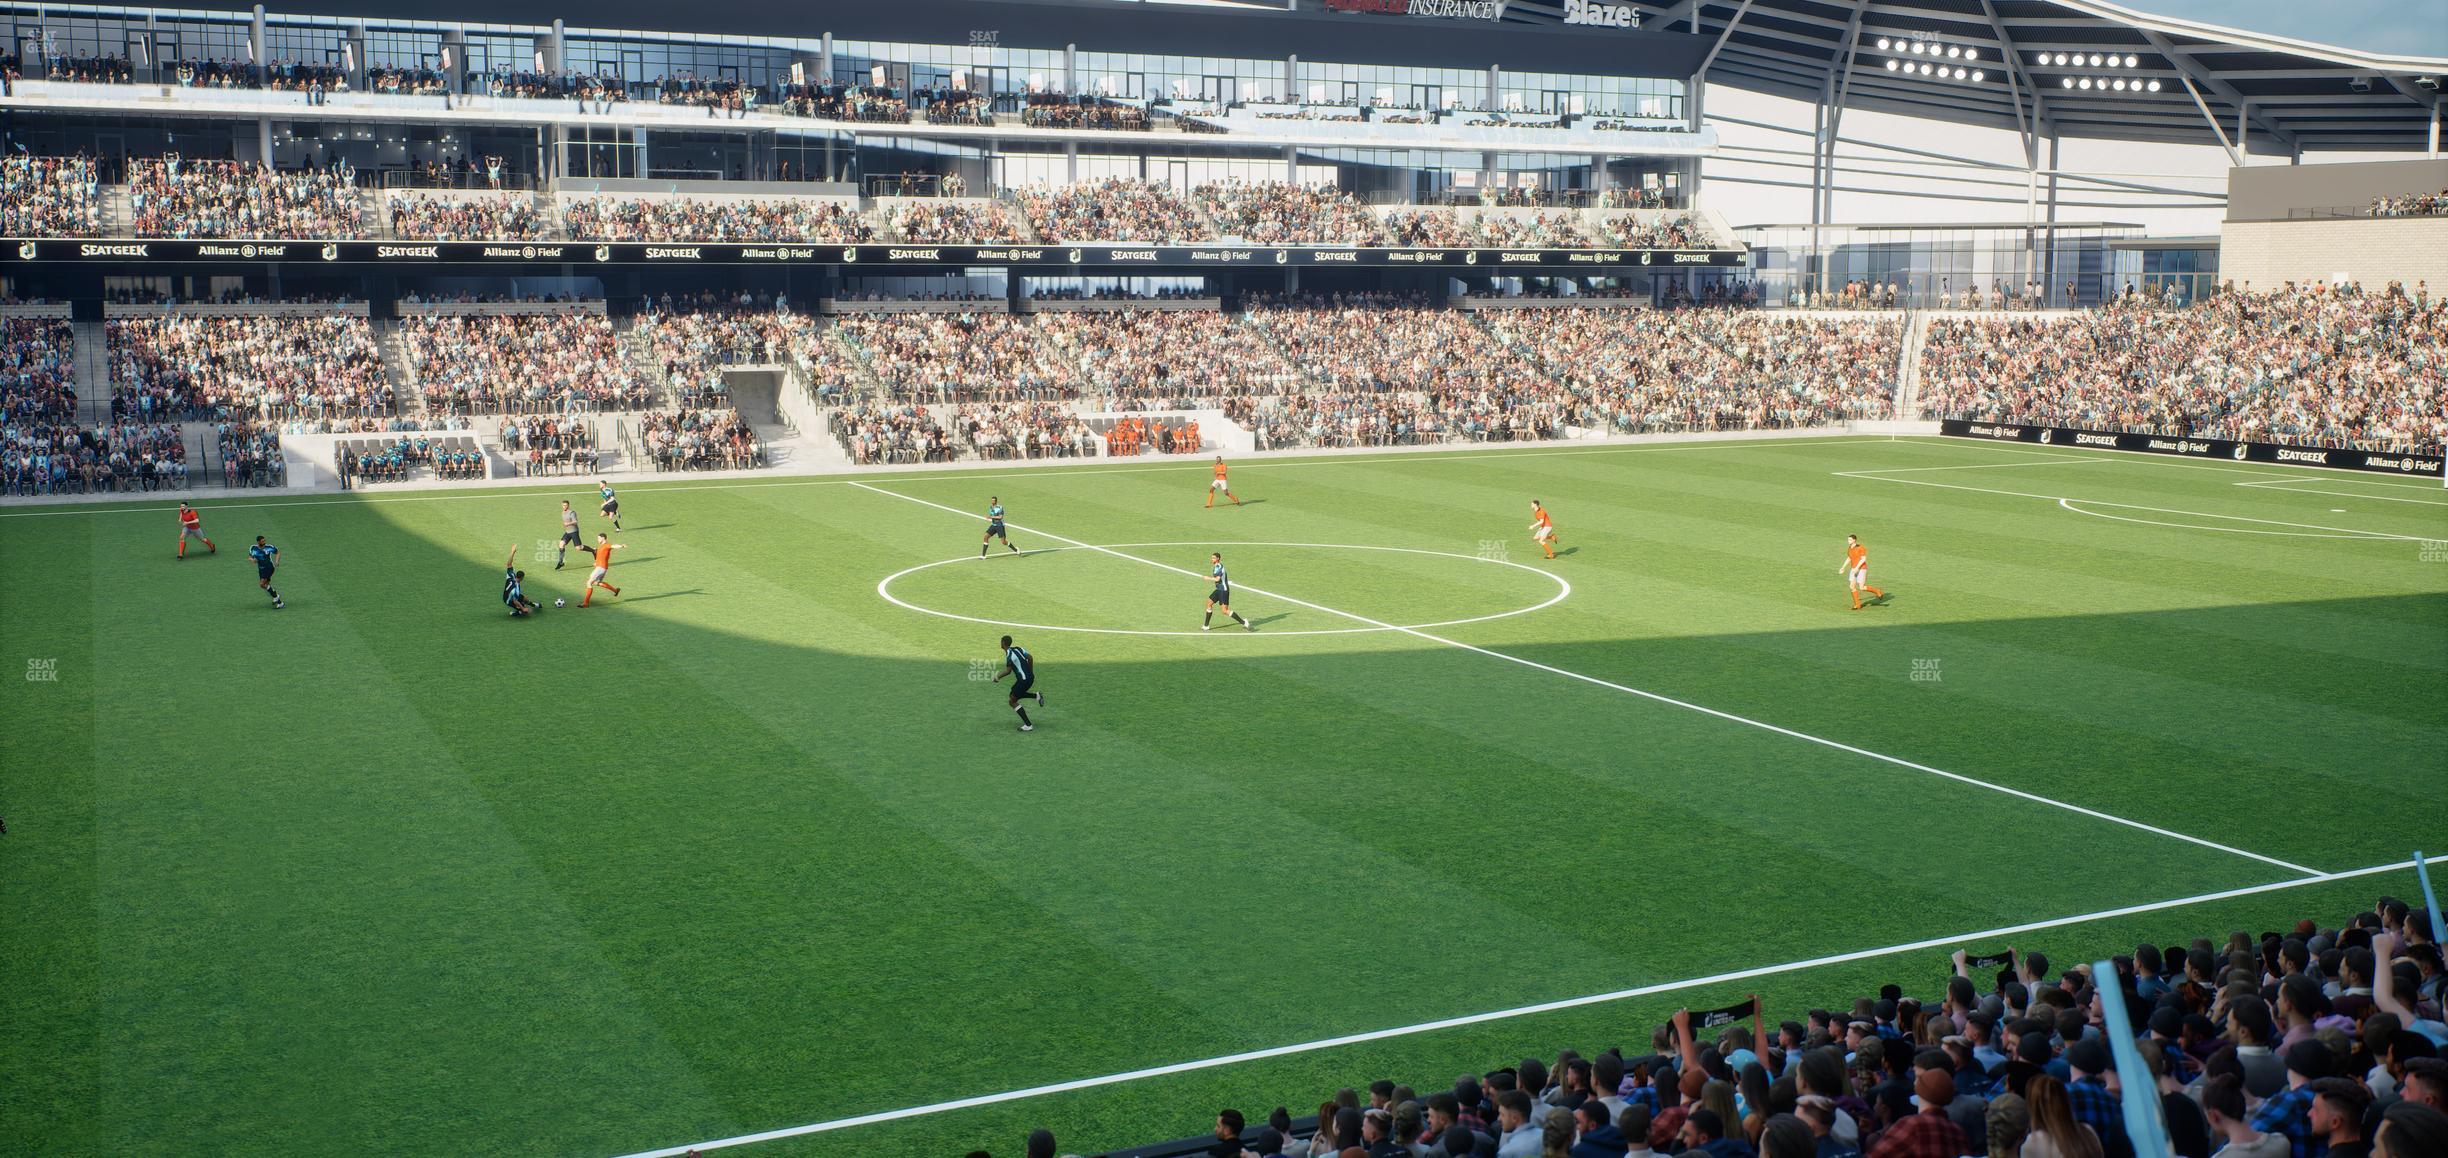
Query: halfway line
(1644,694)
(1504,1014)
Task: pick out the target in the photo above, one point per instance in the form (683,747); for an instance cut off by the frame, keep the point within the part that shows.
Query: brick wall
(2373,251)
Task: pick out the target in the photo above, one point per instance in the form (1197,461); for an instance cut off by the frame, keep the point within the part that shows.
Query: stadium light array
(2096,60)
(1938,59)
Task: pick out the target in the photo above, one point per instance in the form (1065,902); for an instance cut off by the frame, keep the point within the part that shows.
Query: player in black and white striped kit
(1018,664)
(1221,596)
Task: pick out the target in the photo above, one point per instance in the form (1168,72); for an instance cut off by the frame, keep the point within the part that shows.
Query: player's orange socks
(182,548)
(209,547)
(1875,593)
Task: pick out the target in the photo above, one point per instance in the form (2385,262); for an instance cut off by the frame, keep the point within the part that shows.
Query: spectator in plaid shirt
(1929,1133)
(2289,1112)
(2093,1105)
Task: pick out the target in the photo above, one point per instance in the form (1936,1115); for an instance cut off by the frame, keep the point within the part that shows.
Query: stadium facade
(1570,104)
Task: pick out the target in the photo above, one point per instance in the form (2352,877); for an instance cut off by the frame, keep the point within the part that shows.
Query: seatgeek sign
(2196,446)
(155,251)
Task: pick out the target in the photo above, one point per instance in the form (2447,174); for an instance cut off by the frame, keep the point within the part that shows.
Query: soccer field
(756,846)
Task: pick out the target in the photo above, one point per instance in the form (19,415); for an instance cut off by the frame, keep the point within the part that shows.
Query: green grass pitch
(754,847)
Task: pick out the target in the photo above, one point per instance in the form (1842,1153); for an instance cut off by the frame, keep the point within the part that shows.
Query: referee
(1023,670)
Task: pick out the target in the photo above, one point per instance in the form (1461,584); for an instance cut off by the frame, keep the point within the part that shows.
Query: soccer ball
(560,602)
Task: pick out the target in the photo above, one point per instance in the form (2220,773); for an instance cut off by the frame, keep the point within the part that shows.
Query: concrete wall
(2371,251)
(2275,192)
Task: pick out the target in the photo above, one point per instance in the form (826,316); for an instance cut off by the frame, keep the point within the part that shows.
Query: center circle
(1563,588)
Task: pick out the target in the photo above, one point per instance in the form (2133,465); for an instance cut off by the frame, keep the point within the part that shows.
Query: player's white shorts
(596,576)
(1858,577)
(1542,534)
(1217,485)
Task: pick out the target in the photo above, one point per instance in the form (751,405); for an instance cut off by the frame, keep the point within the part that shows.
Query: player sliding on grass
(1542,529)
(1856,571)
(1222,595)
(994,527)
(514,587)
(1023,670)
(1220,485)
(601,575)
(192,524)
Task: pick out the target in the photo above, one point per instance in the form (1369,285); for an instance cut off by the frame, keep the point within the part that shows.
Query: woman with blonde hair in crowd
(2054,1132)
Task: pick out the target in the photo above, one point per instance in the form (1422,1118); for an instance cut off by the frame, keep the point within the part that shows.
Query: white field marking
(2062,500)
(1984,935)
(144,506)
(1977,466)
(1647,695)
(2075,505)
(2281,485)
(1563,589)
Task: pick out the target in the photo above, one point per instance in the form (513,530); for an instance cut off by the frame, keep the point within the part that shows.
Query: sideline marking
(134,506)
(1075,1084)
(2064,501)
(1563,589)
(2282,485)
(1647,695)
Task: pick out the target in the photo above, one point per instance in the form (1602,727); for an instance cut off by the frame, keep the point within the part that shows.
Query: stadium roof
(2292,94)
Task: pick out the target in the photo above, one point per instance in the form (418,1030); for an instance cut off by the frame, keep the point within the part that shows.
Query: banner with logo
(1170,257)
(2002,959)
(2270,453)
(1735,1014)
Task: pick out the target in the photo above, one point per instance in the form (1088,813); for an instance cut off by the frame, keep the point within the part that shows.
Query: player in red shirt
(1542,528)
(1219,485)
(192,524)
(1856,571)
(601,575)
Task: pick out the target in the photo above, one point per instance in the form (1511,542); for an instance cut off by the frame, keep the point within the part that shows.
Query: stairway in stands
(1908,365)
(405,388)
(93,383)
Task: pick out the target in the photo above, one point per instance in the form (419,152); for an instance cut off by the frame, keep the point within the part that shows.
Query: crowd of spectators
(426,217)
(50,197)
(1134,435)
(1113,209)
(412,80)
(250,453)
(1281,213)
(192,367)
(1428,227)
(2411,205)
(60,458)
(693,343)
(1022,430)
(960,357)
(37,371)
(2319,1041)
(729,219)
(109,68)
(699,439)
(1056,111)
(2321,365)
(593,89)
(1166,358)
(178,197)
(931,222)
(1553,229)
(878,433)
(845,102)
(521,364)
(1650,372)
(718,96)
(1660,231)
(549,444)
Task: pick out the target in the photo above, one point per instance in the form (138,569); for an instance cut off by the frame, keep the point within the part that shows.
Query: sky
(2395,27)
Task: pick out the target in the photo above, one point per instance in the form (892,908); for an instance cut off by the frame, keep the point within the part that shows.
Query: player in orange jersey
(192,524)
(600,576)
(1220,485)
(1542,528)
(1856,571)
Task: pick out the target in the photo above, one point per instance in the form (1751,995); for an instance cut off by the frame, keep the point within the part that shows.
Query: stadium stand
(521,364)
(179,197)
(50,197)
(605,218)
(2315,365)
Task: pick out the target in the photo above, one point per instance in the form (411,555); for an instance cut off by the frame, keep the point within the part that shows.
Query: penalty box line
(1077,1084)
(1651,696)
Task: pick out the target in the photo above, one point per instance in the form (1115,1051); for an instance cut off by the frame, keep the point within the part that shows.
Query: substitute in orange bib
(1856,571)
(1542,528)
(1219,485)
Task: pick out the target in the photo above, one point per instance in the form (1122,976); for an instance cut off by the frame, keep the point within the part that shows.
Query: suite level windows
(1935,59)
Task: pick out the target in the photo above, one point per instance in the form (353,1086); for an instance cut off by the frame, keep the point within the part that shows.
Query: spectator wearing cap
(2087,1094)
(1704,1133)
(2338,1106)
(1968,1109)
(2223,1103)
(2031,1059)
(1929,1132)
(2289,1111)
(1521,1137)
(1596,1135)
